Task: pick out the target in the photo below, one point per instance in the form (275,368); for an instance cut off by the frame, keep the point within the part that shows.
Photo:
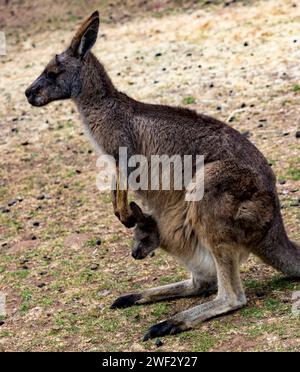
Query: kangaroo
(239,213)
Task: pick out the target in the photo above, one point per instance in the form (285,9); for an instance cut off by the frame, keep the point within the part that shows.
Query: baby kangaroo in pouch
(146,233)
(238,214)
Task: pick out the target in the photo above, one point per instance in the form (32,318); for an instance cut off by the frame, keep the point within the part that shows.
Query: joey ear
(137,212)
(86,36)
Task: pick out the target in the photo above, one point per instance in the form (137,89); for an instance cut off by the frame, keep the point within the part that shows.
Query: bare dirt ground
(64,257)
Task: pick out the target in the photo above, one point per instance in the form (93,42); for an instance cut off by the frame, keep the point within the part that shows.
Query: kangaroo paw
(126,301)
(168,327)
(130,222)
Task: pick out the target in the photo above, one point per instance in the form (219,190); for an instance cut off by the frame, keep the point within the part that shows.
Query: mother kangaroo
(239,212)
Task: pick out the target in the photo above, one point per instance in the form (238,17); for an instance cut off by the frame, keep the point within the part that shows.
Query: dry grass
(239,63)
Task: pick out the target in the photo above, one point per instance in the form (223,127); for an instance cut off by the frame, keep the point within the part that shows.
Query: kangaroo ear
(86,36)
(137,212)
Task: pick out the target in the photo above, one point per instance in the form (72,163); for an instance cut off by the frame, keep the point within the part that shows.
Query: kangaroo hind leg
(203,281)
(230,296)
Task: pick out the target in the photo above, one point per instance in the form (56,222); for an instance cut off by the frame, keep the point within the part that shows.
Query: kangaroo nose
(28,92)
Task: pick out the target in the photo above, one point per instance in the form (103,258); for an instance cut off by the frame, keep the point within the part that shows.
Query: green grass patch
(90,243)
(190,100)
(204,342)
(294,174)
(160,309)
(296,88)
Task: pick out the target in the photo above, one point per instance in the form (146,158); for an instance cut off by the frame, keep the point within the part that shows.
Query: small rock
(2,323)
(41,197)
(158,343)
(4,210)
(43,273)
(11,203)
(158,54)
(285,134)
(41,285)
(104,293)
(246,134)
(297,135)
(36,224)
(94,267)
(24,261)
(33,237)
(282,182)
(152,254)
(25,143)
(98,242)
(246,44)
(260,294)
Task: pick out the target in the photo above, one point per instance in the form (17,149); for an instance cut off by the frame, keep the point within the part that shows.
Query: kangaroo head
(62,78)
(146,233)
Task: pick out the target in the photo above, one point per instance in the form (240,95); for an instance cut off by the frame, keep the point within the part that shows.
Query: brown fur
(240,211)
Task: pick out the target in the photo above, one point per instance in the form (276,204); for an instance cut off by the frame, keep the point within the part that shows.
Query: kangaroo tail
(279,252)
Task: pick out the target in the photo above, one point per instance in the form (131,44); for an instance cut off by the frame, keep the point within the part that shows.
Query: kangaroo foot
(168,327)
(126,301)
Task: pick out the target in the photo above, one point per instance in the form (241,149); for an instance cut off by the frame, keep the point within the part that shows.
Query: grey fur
(240,211)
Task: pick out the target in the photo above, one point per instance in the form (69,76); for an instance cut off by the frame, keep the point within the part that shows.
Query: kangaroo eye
(51,75)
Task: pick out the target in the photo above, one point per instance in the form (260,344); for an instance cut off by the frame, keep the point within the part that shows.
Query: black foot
(126,301)
(168,327)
